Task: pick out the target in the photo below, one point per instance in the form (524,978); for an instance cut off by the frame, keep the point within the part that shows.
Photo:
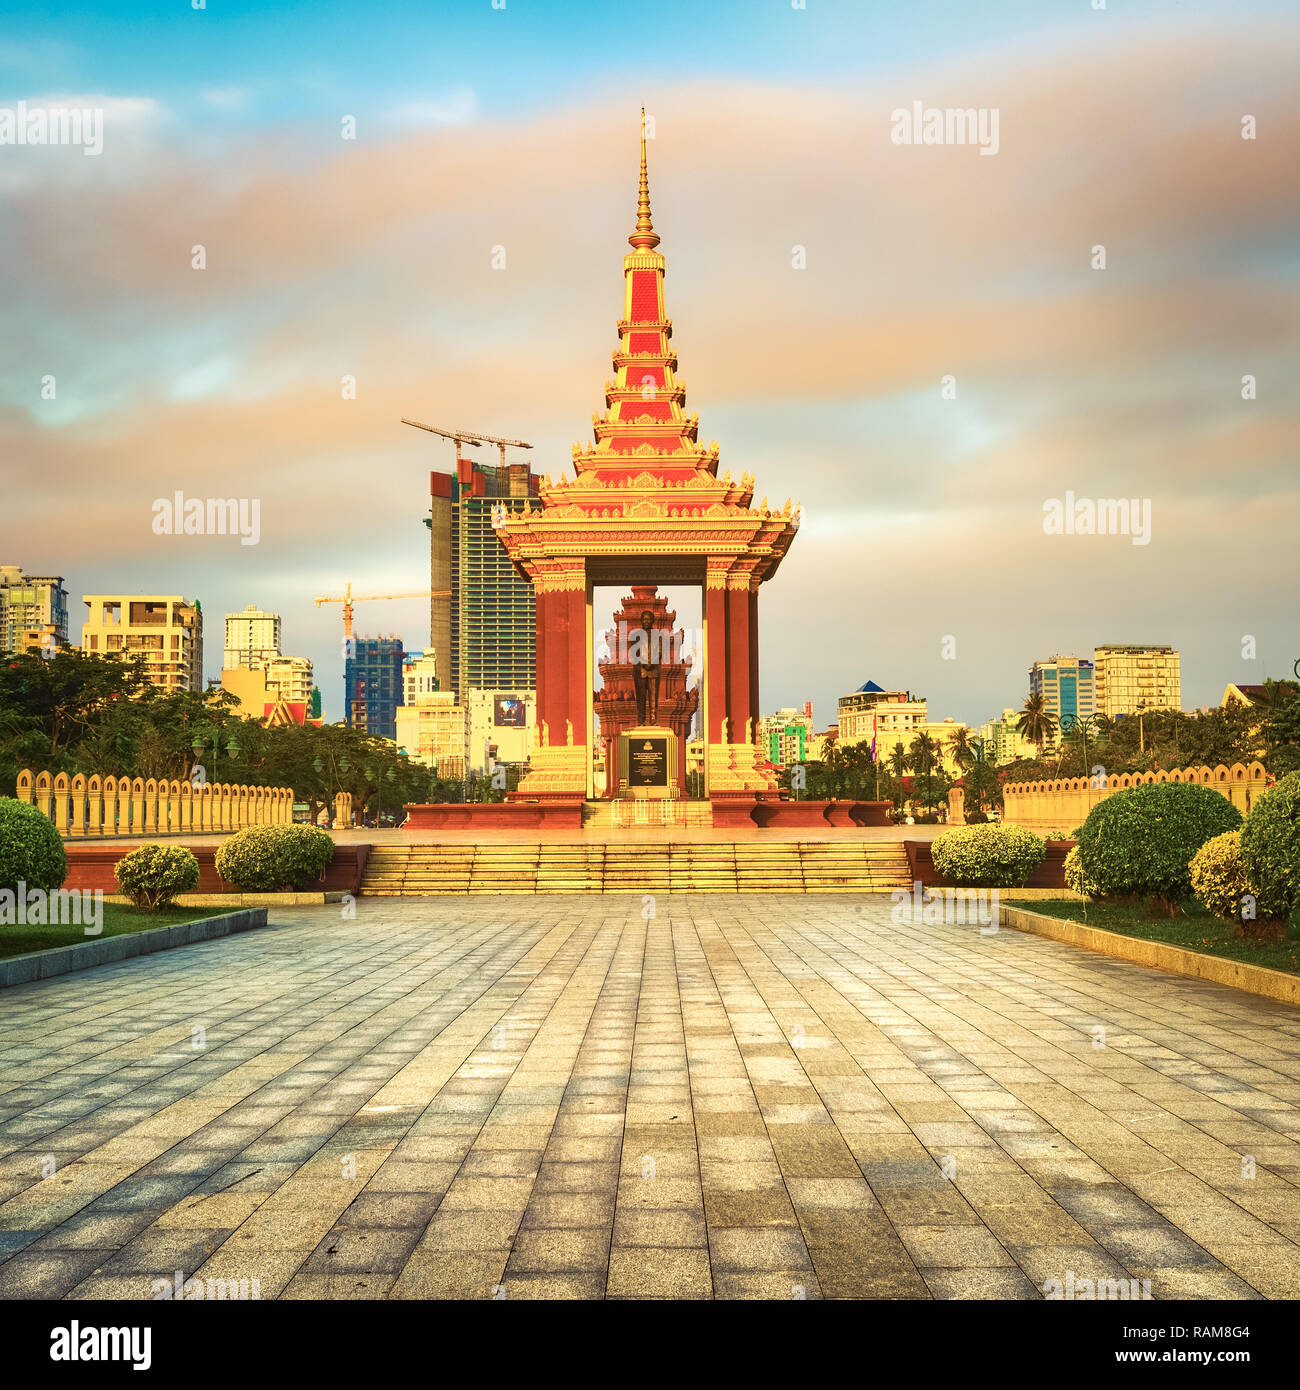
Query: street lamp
(1089,721)
(215,739)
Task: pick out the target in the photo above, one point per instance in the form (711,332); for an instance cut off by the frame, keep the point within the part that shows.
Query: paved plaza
(739,1097)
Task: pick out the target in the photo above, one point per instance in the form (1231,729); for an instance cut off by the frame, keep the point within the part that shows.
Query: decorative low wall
(91,866)
(494,815)
(778,815)
(114,806)
(1049,874)
(1064,804)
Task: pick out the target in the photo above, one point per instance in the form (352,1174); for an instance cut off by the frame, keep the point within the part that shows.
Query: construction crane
(472,438)
(347,598)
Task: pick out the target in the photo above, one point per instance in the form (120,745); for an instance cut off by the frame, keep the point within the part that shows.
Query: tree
(1035,723)
(983,786)
(61,698)
(963,755)
(924,751)
(1281,735)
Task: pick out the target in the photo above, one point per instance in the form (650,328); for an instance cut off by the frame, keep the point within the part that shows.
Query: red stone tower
(615,702)
(646,505)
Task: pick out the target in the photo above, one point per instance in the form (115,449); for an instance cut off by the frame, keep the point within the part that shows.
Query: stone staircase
(668,814)
(782,866)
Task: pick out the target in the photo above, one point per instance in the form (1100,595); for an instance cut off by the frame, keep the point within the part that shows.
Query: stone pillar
(573,725)
(555,648)
(756,708)
(715,657)
(738,658)
(539,660)
(558,770)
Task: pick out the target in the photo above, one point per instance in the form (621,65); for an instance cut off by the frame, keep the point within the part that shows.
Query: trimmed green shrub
(1270,849)
(1075,878)
(153,875)
(1140,842)
(1218,878)
(987,856)
(31,849)
(272,858)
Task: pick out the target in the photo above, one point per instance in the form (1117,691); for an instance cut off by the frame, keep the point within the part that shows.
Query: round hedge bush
(1140,842)
(153,875)
(987,856)
(31,849)
(1075,878)
(1270,849)
(1218,878)
(272,858)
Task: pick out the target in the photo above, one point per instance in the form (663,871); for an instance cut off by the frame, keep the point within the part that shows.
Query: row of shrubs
(1173,841)
(259,859)
(1164,841)
(993,855)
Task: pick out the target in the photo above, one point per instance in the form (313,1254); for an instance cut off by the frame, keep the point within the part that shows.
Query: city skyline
(923,517)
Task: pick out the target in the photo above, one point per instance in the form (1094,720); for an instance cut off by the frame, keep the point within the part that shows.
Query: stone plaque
(647,762)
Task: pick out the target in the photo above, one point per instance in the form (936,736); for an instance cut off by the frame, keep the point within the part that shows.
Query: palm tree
(959,746)
(1035,723)
(898,761)
(925,753)
(1275,694)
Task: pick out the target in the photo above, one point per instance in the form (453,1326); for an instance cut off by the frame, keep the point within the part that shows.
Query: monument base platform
(553,813)
(569,813)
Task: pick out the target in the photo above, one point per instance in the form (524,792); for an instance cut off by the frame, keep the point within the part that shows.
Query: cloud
(373,259)
(453,107)
(226,98)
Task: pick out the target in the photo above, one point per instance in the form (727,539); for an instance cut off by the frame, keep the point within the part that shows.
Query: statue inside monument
(645,675)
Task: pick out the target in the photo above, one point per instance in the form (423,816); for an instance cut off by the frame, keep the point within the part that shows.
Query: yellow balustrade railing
(136,806)
(1063,803)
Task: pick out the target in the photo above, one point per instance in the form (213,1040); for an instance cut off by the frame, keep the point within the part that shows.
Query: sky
(912,340)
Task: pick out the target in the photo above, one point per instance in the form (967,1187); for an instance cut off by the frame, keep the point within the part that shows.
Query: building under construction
(484,634)
(372,685)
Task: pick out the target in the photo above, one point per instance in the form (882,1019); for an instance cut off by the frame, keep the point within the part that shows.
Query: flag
(873,738)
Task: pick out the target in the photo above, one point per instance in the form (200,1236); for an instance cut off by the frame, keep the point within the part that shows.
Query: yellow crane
(347,598)
(472,438)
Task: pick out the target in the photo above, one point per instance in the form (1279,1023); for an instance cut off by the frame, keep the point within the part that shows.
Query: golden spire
(645,238)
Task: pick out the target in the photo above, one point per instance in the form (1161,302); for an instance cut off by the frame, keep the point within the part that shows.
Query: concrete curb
(235,900)
(1053,894)
(42,965)
(1254,979)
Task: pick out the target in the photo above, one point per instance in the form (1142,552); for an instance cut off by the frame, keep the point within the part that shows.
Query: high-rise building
(33,610)
(432,732)
(1067,686)
(166,630)
(430,724)
(1130,678)
(891,717)
(257,673)
(1003,741)
(498,727)
(786,736)
(419,677)
(250,634)
(262,681)
(372,685)
(484,635)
